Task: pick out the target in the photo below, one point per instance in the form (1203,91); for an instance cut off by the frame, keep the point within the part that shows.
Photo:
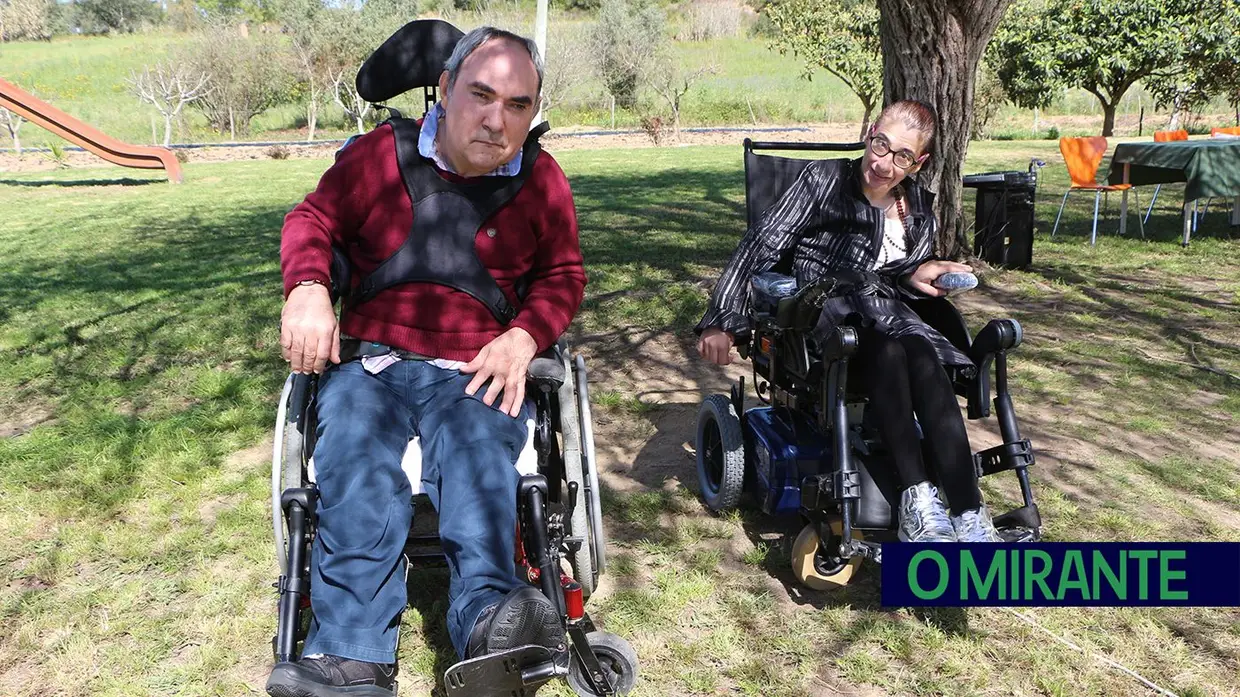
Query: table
(1209,167)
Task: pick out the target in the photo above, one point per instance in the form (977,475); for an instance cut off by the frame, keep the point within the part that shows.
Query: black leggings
(903,377)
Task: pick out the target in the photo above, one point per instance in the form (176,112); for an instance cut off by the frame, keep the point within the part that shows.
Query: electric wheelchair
(812,450)
(558,502)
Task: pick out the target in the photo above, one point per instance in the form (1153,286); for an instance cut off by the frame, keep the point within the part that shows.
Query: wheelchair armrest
(546,371)
(299,396)
(998,336)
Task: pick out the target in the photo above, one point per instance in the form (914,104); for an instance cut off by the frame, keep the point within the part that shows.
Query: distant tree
(12,123)
(115,16)
(672,82)
(61,17)
(169,86)
(839,36)
(1106,46)
(24,20)
(625,42)
(568,62)
(184,16)
(248,76)
(1208,67)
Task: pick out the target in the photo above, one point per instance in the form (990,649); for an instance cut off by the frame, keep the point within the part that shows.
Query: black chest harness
(446,218)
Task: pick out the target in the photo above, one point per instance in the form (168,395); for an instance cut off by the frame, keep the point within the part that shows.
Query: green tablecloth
(1211,167)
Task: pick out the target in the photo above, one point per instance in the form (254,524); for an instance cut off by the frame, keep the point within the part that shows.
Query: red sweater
(361,204)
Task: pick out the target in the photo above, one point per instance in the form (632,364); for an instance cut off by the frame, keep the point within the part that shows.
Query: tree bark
(865,118)
(1108,118)
(931,49)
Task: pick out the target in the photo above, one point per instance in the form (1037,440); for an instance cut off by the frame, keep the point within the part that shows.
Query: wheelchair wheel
(617,659)
(720,454)
(816,571)
(288,446)
(582,561)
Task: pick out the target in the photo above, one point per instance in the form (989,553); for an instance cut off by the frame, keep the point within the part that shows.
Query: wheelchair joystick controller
(956,281)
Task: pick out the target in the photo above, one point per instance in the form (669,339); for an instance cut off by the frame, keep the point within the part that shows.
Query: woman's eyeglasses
(904,159)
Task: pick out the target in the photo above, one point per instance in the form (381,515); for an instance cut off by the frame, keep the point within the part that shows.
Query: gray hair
(471,41)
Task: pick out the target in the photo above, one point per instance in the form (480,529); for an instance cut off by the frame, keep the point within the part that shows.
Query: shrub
(628,34)
(248,76)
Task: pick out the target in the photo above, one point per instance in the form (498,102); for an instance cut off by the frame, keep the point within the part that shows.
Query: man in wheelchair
(866,229)
(434,339)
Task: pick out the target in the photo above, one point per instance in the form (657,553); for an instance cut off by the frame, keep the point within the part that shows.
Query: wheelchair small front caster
(616,658)
(816,571)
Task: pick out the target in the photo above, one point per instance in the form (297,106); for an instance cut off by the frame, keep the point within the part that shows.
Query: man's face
(488,111)
(891,144)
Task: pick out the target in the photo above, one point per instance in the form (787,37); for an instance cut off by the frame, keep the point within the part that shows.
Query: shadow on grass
(70,183)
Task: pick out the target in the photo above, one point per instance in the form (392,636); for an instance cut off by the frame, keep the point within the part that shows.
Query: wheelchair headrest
(413,57)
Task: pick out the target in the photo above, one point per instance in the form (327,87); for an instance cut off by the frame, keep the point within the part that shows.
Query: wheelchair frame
(547,521)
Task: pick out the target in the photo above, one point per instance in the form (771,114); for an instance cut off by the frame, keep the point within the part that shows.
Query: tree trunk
(865,119)
(931,49)
(312,113)
(167,129)
(1108,118)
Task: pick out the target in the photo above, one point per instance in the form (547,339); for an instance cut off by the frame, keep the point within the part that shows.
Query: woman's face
(893,152)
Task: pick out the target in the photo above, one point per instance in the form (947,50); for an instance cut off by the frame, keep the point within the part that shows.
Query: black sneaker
(523,617)
(331,676)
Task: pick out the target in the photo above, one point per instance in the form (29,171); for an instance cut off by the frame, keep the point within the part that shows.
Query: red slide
(44,115)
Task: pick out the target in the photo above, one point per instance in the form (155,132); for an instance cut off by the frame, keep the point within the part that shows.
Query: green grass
(138,328)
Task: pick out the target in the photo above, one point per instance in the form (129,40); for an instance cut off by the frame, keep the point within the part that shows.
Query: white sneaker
(923,517)
(975,526)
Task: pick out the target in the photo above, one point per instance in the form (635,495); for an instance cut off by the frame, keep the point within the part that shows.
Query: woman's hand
(715,345)
(923,278)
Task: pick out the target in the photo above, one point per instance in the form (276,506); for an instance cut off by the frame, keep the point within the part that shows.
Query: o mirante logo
(1061,574)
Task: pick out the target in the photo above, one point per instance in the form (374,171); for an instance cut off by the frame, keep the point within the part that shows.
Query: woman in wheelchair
(869,225)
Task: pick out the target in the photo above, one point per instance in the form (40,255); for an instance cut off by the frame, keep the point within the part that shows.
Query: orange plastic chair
(1171,136)
(1163,137)
(1083,156)
(1228,131)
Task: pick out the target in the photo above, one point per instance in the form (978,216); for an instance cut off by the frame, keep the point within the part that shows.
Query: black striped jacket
(822,223)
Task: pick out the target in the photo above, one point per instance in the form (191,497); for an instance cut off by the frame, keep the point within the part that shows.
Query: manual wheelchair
(558,502)
(811,449)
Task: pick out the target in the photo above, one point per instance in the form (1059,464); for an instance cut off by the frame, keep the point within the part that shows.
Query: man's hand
(924,276)
(715,345)
(504,362)
(309,335)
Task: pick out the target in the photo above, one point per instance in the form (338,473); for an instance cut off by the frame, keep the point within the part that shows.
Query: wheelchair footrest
(1025,517)
(1002,458)
(513,673)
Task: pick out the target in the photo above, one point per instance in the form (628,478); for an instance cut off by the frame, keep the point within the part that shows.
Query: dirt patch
(23,423)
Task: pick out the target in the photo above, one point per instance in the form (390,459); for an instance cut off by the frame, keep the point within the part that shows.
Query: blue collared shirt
(428,147)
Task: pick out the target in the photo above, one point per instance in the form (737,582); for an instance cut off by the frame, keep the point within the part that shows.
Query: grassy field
(85,77)
(138,325)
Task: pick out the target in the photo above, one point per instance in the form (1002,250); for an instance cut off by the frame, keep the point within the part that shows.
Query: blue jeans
(468,453)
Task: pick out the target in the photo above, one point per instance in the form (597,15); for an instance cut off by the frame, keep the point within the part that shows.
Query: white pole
(540,39)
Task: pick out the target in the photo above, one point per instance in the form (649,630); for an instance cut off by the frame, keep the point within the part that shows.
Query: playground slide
(46,116)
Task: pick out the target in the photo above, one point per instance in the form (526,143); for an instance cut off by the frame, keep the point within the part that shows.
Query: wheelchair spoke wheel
(616,658)
(582,561)
(818,571)
(720,454)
